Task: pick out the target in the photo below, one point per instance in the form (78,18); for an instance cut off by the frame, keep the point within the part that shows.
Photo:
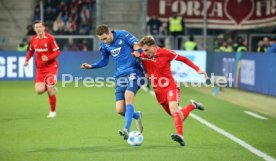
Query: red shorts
(166,96)
(46,75)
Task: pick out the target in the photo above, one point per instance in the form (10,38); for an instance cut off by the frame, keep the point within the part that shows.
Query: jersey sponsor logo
(148,59)
(115,52)
(41,49)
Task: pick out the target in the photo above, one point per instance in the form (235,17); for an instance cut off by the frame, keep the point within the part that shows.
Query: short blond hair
(147,40)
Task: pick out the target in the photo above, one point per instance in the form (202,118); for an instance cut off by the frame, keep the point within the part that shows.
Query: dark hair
(147,40)
(191,38)
(38,21)
(272,38)
(102,29)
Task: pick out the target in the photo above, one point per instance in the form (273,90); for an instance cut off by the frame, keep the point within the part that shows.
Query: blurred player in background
(157,61)
(120,44)
(47,50)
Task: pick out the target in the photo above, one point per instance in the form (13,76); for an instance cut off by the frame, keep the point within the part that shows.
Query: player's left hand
(203,72)
(44,58)
(86,66)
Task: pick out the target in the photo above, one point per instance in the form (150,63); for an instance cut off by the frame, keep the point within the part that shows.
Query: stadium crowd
(76,17)
(70,17)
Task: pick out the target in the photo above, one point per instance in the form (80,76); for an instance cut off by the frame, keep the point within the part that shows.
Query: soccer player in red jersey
(156,62)
(47,50)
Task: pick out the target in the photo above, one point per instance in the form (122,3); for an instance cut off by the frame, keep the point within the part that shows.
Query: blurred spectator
(58,26)
(52,3)
(225,47)
(83,45)
(70,26)
(23,45)
(153,26)
(85,15)
(36,15)
(242,45)
(219,42)
(49,15)
(176,27)
(30,30)
(261,47)
(266,42)
(164,41)
(70,46)
(75,14)
(48,29)
(272,48)
(84,29)
(190,44)
(63,9)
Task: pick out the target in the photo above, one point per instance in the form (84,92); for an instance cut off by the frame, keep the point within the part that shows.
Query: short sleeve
(31,46)
(53,44)
(170,55)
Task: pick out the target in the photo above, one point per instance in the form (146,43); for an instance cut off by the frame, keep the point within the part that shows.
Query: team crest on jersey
(45,45)
(120,42)
(115,52)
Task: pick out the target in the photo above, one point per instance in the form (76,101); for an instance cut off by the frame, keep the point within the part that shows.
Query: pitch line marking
(247,146)
(255,115)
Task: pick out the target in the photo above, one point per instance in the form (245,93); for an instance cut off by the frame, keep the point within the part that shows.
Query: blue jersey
(120,49)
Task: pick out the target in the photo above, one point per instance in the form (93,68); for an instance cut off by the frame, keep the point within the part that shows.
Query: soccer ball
(135,138)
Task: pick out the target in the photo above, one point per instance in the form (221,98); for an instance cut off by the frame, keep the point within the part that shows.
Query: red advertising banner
(221,14)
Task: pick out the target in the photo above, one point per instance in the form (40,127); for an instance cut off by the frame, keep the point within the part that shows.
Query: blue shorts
(131,82)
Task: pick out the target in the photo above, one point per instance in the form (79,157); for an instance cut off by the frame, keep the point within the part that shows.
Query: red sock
(52,102)
(186,110)
(178,123)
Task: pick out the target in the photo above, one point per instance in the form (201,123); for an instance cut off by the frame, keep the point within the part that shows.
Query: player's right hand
(86,66)
(26,64)
(136,54)
(203,72)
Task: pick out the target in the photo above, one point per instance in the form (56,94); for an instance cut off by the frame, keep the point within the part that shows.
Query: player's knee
(172,112)
(51,92)
(39,91)
(121,113)
(129,98)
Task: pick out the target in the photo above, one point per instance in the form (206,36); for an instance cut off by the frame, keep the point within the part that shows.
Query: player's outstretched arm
(28,57)
(86,66)
(191,64)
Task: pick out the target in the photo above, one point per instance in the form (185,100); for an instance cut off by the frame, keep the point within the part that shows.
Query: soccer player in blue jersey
(120,45)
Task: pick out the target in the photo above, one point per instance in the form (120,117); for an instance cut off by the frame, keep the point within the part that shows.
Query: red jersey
(44,46)
(158,68)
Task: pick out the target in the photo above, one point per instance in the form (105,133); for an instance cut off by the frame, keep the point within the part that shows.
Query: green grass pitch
(86,128)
